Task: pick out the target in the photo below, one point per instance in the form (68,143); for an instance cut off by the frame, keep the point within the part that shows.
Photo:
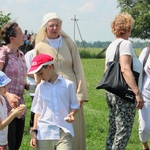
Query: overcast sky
(94,16)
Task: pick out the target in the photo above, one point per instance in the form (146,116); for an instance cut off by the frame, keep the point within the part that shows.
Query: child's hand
(19,111)
(69,118)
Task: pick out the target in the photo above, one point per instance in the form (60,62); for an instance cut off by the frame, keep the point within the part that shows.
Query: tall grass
(96,110)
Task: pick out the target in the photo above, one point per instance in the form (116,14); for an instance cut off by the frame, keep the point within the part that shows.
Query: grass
(96,111)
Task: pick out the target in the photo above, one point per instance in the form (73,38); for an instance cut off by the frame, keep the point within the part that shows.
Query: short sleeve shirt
(16,70)
(3,116)
(125,49)
(146,76)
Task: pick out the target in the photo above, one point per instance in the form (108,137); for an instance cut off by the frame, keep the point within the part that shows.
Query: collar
(55,43)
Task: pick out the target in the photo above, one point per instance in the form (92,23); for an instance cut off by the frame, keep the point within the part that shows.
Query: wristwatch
(34,131)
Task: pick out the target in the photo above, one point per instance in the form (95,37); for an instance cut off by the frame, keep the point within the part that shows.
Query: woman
(16,70)
(53,41)
(122,112)
(144,117)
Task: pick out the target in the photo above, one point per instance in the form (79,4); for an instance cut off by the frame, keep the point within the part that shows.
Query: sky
(93,17)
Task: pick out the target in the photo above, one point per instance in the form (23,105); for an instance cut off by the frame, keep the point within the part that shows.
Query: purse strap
(116,58)
(146,56)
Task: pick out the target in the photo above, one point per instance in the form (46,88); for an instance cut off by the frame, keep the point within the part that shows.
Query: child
(55,104)
(4,118)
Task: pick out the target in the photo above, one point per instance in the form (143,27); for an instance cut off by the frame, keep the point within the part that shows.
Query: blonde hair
(122,23)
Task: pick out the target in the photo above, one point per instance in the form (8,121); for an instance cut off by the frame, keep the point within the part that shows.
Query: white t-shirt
(146,77)
(53,103)
(3,116)
(28,57)
(125,49)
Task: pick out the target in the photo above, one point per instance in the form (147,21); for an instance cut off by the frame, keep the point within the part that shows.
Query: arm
(125,63)
(15,113)
(12,99)
(34,134)
(1,65)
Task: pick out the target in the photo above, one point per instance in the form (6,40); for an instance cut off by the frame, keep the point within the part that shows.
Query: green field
(96,111)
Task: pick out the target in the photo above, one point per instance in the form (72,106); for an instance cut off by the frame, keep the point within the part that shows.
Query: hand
(140,102)
(33,142)
(70,118)
(19,111)
(12,99)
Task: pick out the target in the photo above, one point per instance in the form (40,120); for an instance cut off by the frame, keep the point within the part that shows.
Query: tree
(140,11)
(4,18)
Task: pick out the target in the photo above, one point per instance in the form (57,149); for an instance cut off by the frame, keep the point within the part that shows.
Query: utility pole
(75,20)
(76,23)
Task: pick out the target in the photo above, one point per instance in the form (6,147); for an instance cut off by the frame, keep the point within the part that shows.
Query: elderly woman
(144,117)
(121,111)
(15,68)
(53,41)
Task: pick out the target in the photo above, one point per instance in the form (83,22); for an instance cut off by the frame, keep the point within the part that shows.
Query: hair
(9,30)
(122,23)
(45,66)
(32,40)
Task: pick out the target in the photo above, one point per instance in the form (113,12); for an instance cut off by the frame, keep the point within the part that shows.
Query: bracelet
(34,131)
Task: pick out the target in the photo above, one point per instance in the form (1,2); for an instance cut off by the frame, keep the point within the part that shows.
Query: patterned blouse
(16,70)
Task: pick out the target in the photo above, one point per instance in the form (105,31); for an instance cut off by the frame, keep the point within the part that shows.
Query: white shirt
(3,116)
(55,43)
(53,103)
(125,49)
(146,77)
(28,57)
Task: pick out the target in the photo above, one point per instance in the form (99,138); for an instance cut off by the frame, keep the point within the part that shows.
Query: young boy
(54,104)
(5,119)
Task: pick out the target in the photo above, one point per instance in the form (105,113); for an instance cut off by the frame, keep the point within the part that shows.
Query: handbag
(113,80)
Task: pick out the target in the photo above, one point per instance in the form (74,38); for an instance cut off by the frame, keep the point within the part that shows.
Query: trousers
(15,133)
(121,119)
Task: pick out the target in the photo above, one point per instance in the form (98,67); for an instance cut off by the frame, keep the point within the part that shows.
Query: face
(3,89)
(19,39)
(53,29)
(45,73)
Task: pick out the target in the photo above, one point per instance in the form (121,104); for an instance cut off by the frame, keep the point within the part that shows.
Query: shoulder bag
(6,61)
(113,80)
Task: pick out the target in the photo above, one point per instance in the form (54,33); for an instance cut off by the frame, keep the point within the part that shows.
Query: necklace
(55,44)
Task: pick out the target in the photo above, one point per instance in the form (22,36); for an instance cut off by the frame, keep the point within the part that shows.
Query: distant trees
(99,44)
(4,18)
(95,44)
(140,10)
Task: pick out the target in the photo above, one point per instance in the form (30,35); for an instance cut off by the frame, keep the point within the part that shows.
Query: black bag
(113,80)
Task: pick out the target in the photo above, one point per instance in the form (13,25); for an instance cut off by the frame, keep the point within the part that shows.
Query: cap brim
(6,82)
(34,70)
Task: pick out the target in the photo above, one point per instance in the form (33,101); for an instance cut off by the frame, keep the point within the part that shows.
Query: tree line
(100,44)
